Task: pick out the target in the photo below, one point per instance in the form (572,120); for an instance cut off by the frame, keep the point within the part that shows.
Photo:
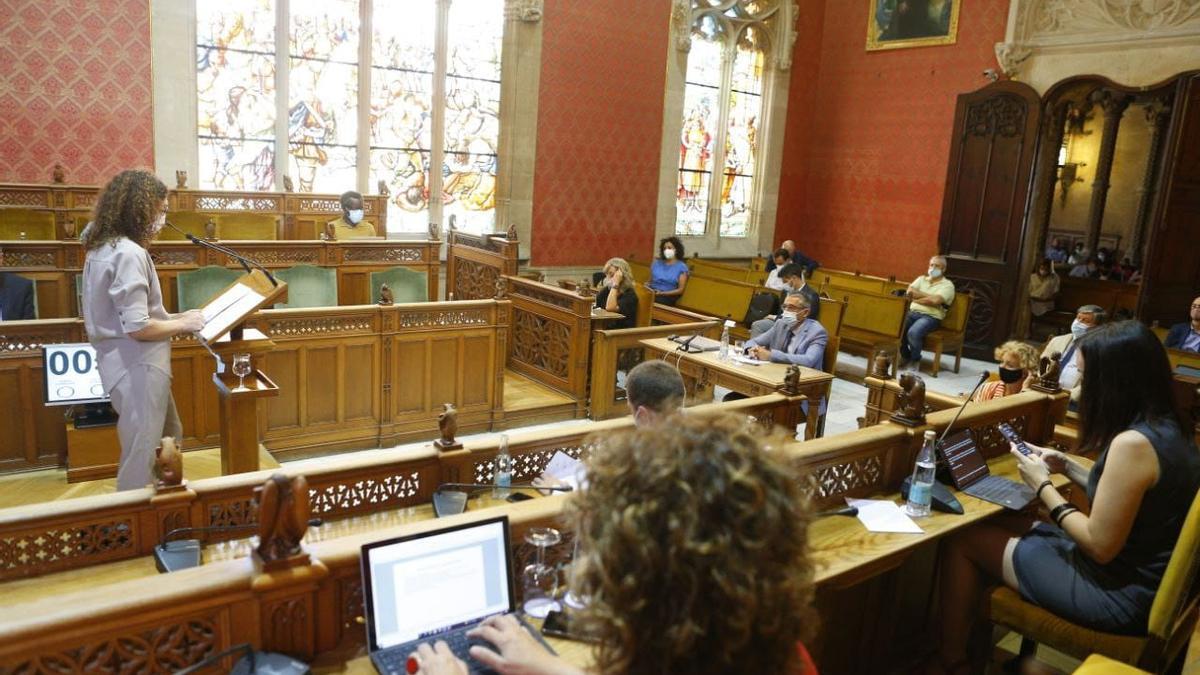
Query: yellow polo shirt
(943,287)
(344,230)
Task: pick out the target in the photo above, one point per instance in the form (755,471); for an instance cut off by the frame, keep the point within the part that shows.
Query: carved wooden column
(1114,105)
(1158,114)
(1056,116)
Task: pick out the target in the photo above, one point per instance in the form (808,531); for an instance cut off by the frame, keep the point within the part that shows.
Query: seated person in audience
(794,339)
(1089,269)
(1087,318)
(1186,336)
(1018,361)
(668,272)
(1057,252)
(1043,289)
(654,391)
(16,296)
(1128,269)
(781,258)
(794,280)
(624,301)
(693,552)
(1079,254)
(351,225)
(1101,569)
(1109,272)
(931,296)
(787,245)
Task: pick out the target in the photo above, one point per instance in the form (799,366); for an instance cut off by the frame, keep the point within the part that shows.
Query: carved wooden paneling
(88,542)
(151,648)
(542,343)
(526,464)
(393,254)
(474,280)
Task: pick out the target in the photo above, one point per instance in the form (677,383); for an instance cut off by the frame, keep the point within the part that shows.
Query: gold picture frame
(934,22)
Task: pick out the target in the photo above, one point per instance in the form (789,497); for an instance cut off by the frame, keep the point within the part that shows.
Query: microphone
(170,556)
(271,662)
(449,500)
(983,377)
(247,263)
(844,511)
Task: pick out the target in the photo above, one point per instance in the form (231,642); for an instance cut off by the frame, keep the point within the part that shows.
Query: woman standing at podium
(125,320)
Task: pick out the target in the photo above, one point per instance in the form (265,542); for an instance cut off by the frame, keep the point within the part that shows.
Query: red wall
(599,130)
(868,136)
(75,89)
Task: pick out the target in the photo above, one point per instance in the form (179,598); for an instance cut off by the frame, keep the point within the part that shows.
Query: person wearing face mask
(1087,317)
(668,272)
(794,280)
(795,338)
(1017,362)
(351,225)
(1043,288)
(1088,269)
(931,296)
(617,294)
(125,320)
(1079,255)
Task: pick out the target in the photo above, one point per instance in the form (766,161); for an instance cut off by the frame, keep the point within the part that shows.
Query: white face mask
(1078,328)
(934,273)
(669,253)
(160,222)
(790,317)
(608,281)
(354,216)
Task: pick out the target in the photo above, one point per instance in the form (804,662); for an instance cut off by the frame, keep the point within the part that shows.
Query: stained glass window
(722,117)
(235,93)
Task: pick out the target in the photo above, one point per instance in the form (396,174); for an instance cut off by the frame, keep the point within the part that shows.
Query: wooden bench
(873,322)
(720,270)
(952,333)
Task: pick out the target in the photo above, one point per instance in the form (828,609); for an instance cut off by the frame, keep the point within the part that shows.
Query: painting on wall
(897,24)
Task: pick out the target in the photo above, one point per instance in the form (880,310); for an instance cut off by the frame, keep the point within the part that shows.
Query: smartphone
(518,497)
(1012,437)
(558,624)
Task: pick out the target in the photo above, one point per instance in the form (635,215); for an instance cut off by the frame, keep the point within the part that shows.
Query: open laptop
(435,586)
(969,473)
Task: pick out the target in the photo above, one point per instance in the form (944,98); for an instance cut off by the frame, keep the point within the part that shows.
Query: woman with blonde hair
(624,301)
(1017,362)
(693,554)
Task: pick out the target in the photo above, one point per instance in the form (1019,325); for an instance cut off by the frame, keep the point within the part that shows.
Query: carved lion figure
(1049,368)
(912,396)
(448,424)
(168,463)
(283,512)
(385,295)
(180,179)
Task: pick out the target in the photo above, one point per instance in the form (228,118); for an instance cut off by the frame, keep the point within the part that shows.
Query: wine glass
(241,368)
(539,580)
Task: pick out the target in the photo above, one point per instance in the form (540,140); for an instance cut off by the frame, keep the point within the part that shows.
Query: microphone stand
(449,498)
(982,378)
(247,263)
(170,556)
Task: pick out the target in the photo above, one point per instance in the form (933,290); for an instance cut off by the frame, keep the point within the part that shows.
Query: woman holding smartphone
(1099,569)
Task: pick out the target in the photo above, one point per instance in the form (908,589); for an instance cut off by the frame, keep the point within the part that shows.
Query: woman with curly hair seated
(1017,362)
(693,553)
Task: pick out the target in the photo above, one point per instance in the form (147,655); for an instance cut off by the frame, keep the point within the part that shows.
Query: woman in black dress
(617,294)
(1099,569)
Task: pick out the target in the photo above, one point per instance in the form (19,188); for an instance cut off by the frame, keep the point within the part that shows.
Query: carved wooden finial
(512,232)
(59,175)
(287,184)
(283,512)
(1049,368)
(501,289)
(383,188)
(911,402)
(448,426)
(180,179)
(168,466)
(435,232)
(791,381)
(882,367)
(451,223)
(385,295)
(210,230)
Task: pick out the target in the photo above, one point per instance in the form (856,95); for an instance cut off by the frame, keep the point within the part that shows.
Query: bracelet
(1045,484)
(1059,512)
(1063,516)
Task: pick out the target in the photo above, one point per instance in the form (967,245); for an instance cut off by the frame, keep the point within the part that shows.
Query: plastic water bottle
(920,492)
(503,470)
(724,353)
(800,432)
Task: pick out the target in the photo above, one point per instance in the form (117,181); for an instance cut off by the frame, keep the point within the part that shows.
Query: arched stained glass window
(722,116)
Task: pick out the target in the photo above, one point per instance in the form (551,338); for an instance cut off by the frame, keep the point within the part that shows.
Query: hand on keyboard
(436,660)
(520,653)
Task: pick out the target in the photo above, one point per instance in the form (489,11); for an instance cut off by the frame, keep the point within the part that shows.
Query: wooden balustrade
(607,345)
(476,263)
(551,337)
(166,622)
(55,266)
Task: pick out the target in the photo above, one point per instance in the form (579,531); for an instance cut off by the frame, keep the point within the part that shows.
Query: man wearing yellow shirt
(931,295)
(351,225)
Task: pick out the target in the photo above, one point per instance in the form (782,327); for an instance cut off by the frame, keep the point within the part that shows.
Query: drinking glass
(241,368)
(540,580)
(571,598)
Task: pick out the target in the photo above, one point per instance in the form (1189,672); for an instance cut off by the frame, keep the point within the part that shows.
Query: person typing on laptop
(710,532)
(1100,569)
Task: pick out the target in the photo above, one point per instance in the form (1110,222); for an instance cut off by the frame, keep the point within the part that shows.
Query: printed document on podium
(227,309)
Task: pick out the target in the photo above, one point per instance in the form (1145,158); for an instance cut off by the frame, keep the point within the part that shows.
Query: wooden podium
(225,336)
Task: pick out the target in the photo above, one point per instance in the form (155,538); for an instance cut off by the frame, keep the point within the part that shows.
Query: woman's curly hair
(693,550)
(127,207)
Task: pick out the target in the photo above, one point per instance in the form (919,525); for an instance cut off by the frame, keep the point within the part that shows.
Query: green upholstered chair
(407,285)
(37,225)
(188,221)
(309,286)
(199,286)
(257,226)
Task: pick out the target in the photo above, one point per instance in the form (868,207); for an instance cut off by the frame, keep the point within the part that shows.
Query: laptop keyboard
(394,661)
(1007,493)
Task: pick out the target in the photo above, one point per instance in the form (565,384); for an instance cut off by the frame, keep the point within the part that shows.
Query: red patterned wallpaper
(75,89)
(599,130)
(868,136)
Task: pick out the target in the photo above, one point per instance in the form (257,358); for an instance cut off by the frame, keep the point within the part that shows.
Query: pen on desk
(844,511)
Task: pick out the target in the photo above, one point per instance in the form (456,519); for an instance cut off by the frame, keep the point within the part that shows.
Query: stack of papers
(227,309)
(566,470)
(882,515)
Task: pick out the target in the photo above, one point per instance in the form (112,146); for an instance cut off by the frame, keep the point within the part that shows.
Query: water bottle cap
(930,435)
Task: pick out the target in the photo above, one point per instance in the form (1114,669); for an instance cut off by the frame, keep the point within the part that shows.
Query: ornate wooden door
(983,210)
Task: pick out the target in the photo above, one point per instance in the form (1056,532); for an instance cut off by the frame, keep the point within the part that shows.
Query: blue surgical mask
(354,216)
(789,317)
(934,273)
(1078,328)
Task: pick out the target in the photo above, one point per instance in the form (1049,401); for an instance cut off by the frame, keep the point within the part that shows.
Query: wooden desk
(705,370)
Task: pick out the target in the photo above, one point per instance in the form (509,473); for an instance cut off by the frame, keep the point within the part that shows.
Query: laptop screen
(425,584)
(964,460)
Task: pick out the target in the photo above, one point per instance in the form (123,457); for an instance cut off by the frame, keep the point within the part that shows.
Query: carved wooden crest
(287,184)
(911,402)
(180,179)
(882,366)
(448,426)
(60,174)
(1049,368)
(283,512)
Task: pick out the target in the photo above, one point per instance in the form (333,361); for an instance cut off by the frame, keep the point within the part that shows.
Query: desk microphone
(450,499)
(270,662)
(247,263)
(170,556)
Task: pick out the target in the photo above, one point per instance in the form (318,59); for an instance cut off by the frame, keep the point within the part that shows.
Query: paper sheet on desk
(882,515)
(227,308)
(747,360)
(565,469)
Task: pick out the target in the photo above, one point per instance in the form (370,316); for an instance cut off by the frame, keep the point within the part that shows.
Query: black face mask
(1010,376)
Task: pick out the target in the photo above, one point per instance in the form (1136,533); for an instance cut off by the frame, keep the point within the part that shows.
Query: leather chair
(199,286)
(309,286)
(406,285)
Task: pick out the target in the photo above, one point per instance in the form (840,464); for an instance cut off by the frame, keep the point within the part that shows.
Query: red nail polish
(412,666)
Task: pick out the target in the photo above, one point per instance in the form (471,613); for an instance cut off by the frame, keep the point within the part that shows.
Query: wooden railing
(607,346)
(349,377)
(166,622)
(299,215)
(476,263)
(551,337)
(54,266)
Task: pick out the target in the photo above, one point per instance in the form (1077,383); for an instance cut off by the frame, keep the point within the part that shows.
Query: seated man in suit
(16,296)
(1070,379)
(351,224)
(1186,336)
(794,281)
(794,339)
